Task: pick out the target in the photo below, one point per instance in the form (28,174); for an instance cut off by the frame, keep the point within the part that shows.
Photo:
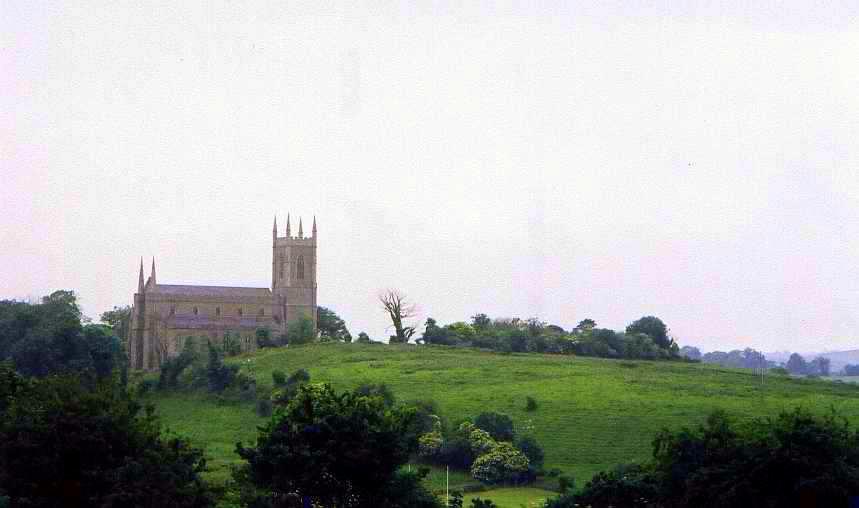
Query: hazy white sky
(606,160)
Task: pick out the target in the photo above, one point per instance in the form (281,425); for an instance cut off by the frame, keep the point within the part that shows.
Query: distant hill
(592,413)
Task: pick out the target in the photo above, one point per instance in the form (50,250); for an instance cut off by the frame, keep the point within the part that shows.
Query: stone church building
(164,315)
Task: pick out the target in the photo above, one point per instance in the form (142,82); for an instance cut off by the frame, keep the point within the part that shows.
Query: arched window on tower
(300,274)
(282,264)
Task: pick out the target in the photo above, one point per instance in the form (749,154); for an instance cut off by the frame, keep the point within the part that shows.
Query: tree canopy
(331,449)
(331,326)
(49,337)
(72,441)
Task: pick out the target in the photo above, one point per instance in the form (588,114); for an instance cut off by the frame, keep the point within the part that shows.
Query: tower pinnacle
(152,276)
(274,229)
(140,278)
(300,232)
(288,230)
(314,226)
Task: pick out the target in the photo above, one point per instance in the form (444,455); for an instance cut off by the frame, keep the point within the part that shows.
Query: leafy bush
(334,450)
(264,407)
(300,331)
(456,452)
(172,368)
(482,503)
(498,425)
(530,404)
(232,346)
(529,446)
(298,377)
(147,386)
(503,463)
(430,444)
(263,338)
(566,484)
(377,390)
(278,378)
(219,376)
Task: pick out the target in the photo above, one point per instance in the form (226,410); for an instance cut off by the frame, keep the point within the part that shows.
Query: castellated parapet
(165,315)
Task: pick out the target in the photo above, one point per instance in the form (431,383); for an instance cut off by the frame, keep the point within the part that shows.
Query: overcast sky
(695,162)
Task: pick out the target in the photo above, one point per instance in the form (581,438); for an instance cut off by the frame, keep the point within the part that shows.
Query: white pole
(447,486)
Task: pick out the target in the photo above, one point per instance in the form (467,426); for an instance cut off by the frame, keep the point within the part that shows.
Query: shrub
(529,446)
(377,390)
(429,444)
(219,376)
(298,377)
(172,368)
(278,378)
(232,345)
(566,484)
(482,503)
(530,404)
(456,452)
(501,464)
(499,426)
(263,338)
(264,407)
(147,386)
(300,331)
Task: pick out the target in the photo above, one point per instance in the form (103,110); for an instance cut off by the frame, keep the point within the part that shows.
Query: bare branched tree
(399,309)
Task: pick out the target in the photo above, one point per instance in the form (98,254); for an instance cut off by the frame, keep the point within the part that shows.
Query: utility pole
(447,486)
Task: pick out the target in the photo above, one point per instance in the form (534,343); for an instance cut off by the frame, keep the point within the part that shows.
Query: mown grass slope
(593,413)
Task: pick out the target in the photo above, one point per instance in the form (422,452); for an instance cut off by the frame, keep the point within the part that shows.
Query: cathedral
(164,315)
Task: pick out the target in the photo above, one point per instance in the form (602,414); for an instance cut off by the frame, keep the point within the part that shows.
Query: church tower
(293,277)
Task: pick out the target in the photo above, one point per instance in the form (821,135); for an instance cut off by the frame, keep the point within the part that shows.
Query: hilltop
(593,413)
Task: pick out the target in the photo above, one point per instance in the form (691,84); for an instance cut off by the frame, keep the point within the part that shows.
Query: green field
(593,413)
(514,498)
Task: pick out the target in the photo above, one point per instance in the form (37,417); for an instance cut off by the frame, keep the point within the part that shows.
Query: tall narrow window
(240,312)
(218,311)
(300,274)
(195,311)
(282,263)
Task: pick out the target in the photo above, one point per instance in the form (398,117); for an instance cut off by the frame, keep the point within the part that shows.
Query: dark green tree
(498,425)
(119,320)
(363,338)
(481,322)
(331,327)
(654,328)
(330,449)
(300,331)
(219,376)
(49,337)
(71,441)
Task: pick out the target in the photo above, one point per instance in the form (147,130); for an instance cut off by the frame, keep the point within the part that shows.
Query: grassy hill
(593,413)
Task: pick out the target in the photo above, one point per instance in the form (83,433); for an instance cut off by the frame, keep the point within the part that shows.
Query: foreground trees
(795,459)
(73,441)
(332,449)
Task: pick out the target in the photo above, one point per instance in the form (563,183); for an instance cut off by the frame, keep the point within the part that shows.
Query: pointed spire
(314,226)
(152,276)
(300,232)
(288,231)
(274,229)
(140,279)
